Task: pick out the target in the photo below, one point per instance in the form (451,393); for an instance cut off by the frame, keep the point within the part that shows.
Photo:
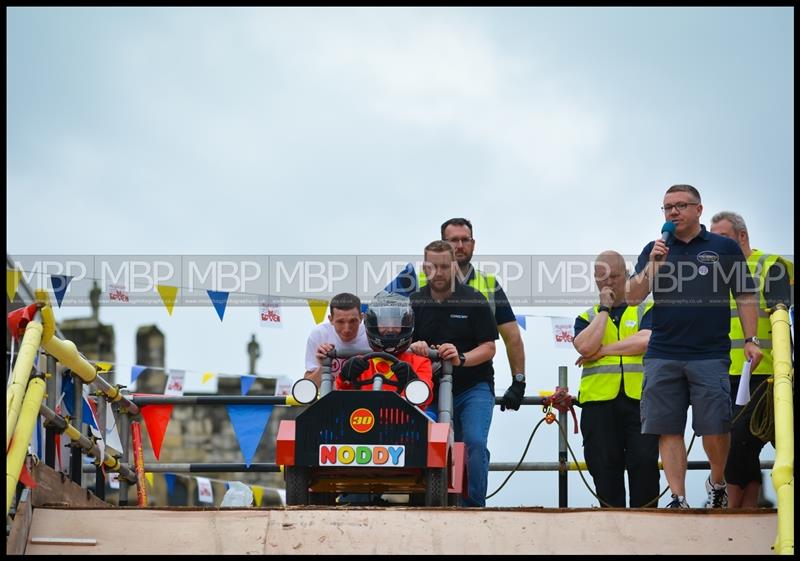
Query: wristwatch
(461,359)
(602,308)
(754,340)
(519,377)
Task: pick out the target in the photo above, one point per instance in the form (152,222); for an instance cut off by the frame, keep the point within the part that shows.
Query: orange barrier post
(138,459)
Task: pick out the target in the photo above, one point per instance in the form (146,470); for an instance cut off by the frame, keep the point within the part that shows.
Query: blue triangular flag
(136,370)
(88,414)
(246,382)
(521,321)
(249,422)
(364,308)
(68,388)
(60,283)
(404,283)
(169,479)
(227,485)
(220,300)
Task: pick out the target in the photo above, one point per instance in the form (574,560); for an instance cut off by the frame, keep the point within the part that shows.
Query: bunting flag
(103,366)
(89,415)
(156,420)
(404,283)
(112,433)
(175,382)
(563,332)
(283,385)
(318,308)
(12,282)
(522,321)
(364,308)
(249,422)
(150,479)
(60,284)
(68,393)
(19,319)
(169,479)
(270,313)
(246,382)
(168,295)
(118,293)
(205,492)
(26,478)
(220,300)
(136,370)
(258,494)
(113,479)
(207,376)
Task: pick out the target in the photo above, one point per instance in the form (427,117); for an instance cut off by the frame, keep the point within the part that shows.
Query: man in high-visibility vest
(775,276)
(458,233)
(611,338)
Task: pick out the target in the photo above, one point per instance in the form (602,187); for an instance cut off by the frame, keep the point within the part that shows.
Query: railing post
(76,453)
(563,422)
(99,478)
(125,437)
(51,387)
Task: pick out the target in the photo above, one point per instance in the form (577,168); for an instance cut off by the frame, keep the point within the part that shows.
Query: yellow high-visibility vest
(485,284)
(759,264)
(600,379)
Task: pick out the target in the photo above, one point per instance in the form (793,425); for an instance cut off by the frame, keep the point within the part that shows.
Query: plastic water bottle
(238,494)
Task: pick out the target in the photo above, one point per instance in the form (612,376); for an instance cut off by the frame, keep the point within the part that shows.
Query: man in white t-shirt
(344,330)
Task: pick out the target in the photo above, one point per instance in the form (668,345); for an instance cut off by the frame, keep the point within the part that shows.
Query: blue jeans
(472,415)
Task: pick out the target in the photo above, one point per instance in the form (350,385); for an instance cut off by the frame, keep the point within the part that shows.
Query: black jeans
(612,442)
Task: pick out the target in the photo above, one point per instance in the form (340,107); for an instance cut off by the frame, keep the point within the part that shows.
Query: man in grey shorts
(692,274)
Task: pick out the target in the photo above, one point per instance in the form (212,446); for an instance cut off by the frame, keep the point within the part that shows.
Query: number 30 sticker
(362,420)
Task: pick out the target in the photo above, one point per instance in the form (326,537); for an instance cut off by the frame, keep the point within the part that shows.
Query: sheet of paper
(743,395)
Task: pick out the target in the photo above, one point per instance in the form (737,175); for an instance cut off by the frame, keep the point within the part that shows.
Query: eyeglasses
(463,241)
(680,206)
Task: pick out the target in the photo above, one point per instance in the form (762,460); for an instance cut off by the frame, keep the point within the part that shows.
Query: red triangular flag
(18,319)
(156,419)
(26,478)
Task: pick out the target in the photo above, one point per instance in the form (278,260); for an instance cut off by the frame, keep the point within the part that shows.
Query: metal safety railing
(31,394)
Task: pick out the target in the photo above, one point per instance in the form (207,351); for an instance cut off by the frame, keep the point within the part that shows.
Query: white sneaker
(717,494)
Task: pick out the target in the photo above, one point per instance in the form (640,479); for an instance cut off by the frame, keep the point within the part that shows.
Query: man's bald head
(609,270)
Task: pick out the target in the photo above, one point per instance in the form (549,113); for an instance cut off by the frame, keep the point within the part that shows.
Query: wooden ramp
(399,530)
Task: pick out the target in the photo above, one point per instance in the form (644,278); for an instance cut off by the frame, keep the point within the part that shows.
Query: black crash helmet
(393,313)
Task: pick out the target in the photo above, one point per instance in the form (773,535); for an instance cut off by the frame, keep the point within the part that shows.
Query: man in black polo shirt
(692,276)
(457,320)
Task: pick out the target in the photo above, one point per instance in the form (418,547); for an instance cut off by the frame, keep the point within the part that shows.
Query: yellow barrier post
(21,374)
(783,470)
(29,416)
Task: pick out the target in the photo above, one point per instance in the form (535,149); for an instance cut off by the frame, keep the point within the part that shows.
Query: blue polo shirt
(691,294)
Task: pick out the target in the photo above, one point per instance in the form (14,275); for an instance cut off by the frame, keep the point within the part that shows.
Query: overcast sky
(268,131)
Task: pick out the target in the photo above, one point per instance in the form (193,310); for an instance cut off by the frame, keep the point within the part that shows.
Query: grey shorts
(670,386)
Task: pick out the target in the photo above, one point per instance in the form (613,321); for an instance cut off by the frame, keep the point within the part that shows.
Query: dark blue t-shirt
(691,294)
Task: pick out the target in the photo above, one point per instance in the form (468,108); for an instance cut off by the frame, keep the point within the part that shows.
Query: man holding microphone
(692,274)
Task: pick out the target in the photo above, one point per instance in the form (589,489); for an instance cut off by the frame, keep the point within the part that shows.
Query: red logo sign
(362,420)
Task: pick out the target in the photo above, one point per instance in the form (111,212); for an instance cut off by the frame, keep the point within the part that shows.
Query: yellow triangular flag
(318,308)
(168,295)
(206,377)
(104,366)
(12,282)
(150,478)
(258,494)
